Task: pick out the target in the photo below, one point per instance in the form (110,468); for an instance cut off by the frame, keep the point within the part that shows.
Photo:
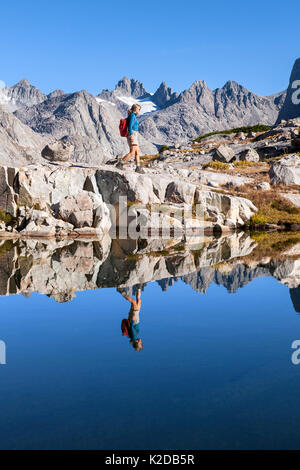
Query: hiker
(132,139)
(131,327)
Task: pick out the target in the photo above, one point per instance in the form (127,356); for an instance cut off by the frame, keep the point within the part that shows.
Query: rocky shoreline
(59,201)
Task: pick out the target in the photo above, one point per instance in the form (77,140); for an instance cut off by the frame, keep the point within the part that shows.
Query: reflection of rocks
(59,269)
(123,271)
(287,272)
(64,296)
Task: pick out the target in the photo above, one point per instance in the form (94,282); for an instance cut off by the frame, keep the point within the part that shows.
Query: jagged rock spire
(164,96)
(291,107)
(130,87)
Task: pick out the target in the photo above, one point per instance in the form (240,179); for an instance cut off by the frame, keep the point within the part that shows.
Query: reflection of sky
(215,371)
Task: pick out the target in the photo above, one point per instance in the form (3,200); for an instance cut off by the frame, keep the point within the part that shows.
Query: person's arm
(138,298)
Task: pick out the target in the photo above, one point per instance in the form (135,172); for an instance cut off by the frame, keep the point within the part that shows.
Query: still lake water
(215,372)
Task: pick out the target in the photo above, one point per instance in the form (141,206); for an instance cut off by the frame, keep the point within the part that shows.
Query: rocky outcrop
(192,161)
(291,106)
(164,96)
(19,145)
(224,209)
(55,94)
(86,209)
(51,202)
(286,171)
(96,198)
(180,192)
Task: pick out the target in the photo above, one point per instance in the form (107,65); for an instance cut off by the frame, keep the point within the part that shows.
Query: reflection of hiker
(132,138)
(131,326)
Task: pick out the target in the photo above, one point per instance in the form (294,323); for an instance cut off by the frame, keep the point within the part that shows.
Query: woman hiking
(132,139)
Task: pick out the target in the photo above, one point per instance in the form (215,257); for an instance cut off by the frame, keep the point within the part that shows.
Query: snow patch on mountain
(147,105)
(99,100)
(7,100)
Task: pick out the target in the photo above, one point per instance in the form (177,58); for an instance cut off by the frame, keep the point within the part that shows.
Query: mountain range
(30,119)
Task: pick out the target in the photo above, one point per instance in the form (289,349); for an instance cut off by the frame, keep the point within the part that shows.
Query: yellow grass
(216,166)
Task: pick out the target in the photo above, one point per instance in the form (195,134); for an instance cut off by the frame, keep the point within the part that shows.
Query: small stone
(249,155)
(264,186)
(241,135)
(213,184)
(224,154)
(59,151)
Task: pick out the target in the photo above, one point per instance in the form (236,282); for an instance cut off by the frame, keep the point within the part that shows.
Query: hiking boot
(120,165)
(140,170)
(111,162)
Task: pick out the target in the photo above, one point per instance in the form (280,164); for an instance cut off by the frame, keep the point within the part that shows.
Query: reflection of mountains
(58,269)
(238,277)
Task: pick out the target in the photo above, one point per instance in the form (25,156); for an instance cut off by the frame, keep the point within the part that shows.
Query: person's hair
(134,108)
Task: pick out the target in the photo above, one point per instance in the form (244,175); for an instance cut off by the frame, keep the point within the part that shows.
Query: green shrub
(163,148)
(256,128)
(5,217)
(258,219)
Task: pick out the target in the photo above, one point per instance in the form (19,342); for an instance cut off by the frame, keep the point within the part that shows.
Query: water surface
(215,371)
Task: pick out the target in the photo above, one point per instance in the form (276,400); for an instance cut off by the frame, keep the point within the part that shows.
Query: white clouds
(2,84)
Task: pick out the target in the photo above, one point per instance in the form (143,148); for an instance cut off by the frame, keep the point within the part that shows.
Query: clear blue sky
(90,45)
